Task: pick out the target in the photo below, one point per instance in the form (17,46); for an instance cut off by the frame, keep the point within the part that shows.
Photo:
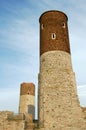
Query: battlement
(12,121)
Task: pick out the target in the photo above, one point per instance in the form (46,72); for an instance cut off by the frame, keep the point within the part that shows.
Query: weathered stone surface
(10,121)
(58,100)
(26,100)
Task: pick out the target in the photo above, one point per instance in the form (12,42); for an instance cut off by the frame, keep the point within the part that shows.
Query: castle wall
(6,124)
(10,121)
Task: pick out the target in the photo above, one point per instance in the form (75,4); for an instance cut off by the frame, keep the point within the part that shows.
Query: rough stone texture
(59,107)
(9,121)
(53,32)
(27,99)
(25,102)
(84,112)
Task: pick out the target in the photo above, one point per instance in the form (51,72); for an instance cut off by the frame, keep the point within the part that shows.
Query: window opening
(53,36)
(63,25)
(42,26)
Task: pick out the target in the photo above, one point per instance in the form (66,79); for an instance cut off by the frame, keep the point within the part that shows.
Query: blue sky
(19,45)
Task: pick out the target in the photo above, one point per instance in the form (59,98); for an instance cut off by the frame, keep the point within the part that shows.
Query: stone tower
(27,99)
(59,107)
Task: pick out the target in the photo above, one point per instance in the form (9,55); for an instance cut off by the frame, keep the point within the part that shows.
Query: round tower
(27,99)
(57,86)
(53,32)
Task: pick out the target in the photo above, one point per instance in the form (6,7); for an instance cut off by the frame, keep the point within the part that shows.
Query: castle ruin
(58,104)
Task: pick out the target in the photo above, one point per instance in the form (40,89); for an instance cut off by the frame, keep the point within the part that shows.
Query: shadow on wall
(31,110)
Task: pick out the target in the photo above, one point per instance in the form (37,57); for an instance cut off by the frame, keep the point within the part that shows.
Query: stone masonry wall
(6,124)
(10,121)
(25,102)
(59,107)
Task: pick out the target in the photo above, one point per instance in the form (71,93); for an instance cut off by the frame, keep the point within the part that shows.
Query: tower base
(58,101)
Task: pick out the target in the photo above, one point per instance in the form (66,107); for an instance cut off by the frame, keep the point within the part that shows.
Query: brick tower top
(54,32)
(27,88)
